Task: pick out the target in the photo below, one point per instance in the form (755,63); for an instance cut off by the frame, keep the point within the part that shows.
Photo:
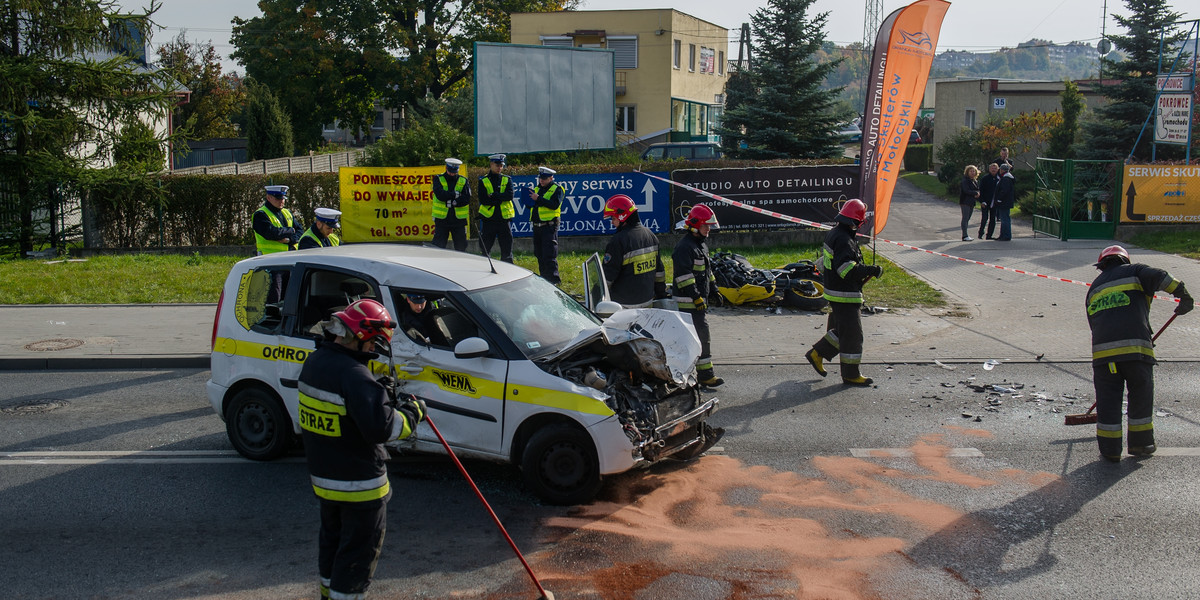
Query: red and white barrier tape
(901,244)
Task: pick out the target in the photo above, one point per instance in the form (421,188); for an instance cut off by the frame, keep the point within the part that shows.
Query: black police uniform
(545,232)
(496,226)
(632,265)
(444,190)
(844,275)
(1118,308)
(345,420)
(692,270)
(313,238)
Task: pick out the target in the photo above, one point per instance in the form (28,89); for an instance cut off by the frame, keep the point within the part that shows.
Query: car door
(465,396)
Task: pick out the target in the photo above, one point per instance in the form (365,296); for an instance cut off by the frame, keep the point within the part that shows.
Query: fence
(1077,199)
(318,163)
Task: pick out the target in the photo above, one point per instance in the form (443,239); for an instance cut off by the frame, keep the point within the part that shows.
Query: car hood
(664,341)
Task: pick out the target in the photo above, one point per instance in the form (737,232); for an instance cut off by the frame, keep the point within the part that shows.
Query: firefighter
(496,208)
(844,275)
(1118,312)
(346,416)
(275,229)
(692,277)
(544,213)
(632,266)
(451,207)
(320,234)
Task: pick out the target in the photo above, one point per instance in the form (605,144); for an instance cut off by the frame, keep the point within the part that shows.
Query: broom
(1089,416)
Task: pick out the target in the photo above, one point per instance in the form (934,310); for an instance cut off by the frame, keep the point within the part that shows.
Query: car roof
(403,265)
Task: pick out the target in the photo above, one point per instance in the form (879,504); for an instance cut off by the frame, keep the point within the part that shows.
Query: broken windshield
(539,317)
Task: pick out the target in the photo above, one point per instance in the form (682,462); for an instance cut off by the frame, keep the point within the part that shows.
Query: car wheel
(560,465)
(804,296)
(257,425)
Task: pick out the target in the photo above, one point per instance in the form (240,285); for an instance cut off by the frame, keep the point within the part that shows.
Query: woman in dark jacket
(968,195)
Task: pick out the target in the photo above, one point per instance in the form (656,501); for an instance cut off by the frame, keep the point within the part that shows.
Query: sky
(973,25)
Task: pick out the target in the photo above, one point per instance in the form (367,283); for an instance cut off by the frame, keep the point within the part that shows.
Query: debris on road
(944,365)
(990,364)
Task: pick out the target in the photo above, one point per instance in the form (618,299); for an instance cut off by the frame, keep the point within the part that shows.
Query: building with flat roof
(670,67)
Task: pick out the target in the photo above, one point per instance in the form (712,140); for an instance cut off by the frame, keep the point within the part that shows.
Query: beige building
(968,102)
(671,68)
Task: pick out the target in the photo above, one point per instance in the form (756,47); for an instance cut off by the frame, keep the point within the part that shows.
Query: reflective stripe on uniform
(400,428)
(335,595)
(1108,430)
(265,246)
(322,397)
(685,280)
(1170,285)
(684,302)
(1121,347)
(847,297)
(832,338)
(351,491)
(704,366)
(1144,424)
(844,268)
(850,359)
(699,265)
(1122,284)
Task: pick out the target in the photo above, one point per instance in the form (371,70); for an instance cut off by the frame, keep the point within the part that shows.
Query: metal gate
(1077,199)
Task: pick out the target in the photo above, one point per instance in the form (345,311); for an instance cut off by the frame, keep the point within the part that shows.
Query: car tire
(559,465)
(257,425)
(794,298)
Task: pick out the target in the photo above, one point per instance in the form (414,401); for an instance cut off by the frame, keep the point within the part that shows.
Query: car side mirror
(474,347)
(606,309)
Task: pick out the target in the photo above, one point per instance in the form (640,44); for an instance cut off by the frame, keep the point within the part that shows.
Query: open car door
(595,287)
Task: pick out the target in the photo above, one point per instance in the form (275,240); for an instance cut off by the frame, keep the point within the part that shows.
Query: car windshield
(539,317)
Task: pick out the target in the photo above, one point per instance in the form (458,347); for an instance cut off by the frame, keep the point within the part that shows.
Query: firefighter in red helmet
(1118,313)
(346,416)
(693,277)
(841,262)
(632,266)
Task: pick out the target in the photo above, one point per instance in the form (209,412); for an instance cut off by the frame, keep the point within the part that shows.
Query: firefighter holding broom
(1118,312)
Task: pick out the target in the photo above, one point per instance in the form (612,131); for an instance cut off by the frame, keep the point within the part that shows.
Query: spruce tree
(268,129)
(1115,127)
(788,115)
(1063,135)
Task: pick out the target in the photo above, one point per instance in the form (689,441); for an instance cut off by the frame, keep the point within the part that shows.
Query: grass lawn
(1183,243)
(155,278)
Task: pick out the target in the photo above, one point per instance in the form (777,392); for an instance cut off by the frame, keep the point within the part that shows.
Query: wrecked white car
(512,369)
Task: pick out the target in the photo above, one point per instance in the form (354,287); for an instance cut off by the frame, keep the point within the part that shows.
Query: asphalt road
(122,485)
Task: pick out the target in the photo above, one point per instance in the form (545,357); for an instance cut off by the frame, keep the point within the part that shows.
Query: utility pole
(872,12)
(744,47)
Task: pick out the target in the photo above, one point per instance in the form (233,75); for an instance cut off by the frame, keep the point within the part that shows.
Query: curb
(194,361)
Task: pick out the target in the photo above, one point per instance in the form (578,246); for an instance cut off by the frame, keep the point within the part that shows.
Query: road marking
(129,457)
(1177,452)
(908,453)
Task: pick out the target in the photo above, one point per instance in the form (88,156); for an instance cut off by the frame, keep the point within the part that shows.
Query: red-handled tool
(1089,416)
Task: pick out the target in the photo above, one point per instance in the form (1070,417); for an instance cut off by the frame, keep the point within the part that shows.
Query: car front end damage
(643,363)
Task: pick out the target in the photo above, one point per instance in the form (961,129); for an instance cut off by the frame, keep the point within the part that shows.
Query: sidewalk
(993,314)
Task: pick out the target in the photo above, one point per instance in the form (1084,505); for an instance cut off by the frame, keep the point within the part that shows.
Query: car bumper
(216,396)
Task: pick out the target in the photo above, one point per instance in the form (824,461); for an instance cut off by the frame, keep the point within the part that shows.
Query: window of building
(689,120)
(691,58)
(708,60)
(678,53)
(557,41)
(969,119)
(378,124)
(626,119)
(329,127)
(625,48)
(721,62)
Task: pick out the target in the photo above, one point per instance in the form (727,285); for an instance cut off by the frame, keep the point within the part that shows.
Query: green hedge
(918,157)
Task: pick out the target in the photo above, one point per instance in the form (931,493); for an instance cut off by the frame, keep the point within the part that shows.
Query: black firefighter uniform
(693,272)
(1118,309)
(633,267)
(844,275)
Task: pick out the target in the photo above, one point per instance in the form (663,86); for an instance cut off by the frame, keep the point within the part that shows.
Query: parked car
(848,132)
(855,137)
(684,150)
(513,370)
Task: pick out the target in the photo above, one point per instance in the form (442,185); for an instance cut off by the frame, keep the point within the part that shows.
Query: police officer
(346,416)
(275,229)
(544,213)
(1118,312)
(632,265)
(496,208)
(844,275)
(320,234)
(693,270)
(452,206)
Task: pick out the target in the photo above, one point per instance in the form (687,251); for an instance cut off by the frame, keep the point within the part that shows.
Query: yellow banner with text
(1161,194)
(387,204)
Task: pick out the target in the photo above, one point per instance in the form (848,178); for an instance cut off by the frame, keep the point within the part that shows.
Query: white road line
(907,453)
(129,457)
(1177,452)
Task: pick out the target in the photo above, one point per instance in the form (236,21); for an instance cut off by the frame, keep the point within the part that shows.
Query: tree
(1117,125)
(422,143)
(788,115)
(738,91)
(268,131)
(332,62)
(65,97)
(1024,133)
(1063,134)
(216,99)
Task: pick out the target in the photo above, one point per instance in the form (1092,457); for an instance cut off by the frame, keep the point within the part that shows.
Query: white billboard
(1173,119)
(543,99)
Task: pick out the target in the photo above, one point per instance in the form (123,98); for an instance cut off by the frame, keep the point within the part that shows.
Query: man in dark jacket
(693,273)
(1006,197)
(496,208)
(632,266)
(321,233)
(844,274)
(451,206)
(545,210)
(987,201)
(1118,313)
(346,416)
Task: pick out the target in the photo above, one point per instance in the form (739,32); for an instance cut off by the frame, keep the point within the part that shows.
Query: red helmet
(1113,250)
(368,320)
(619,208)
(701,215)
(855,210)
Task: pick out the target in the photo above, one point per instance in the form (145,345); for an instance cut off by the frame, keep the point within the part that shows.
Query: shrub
(918,157)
